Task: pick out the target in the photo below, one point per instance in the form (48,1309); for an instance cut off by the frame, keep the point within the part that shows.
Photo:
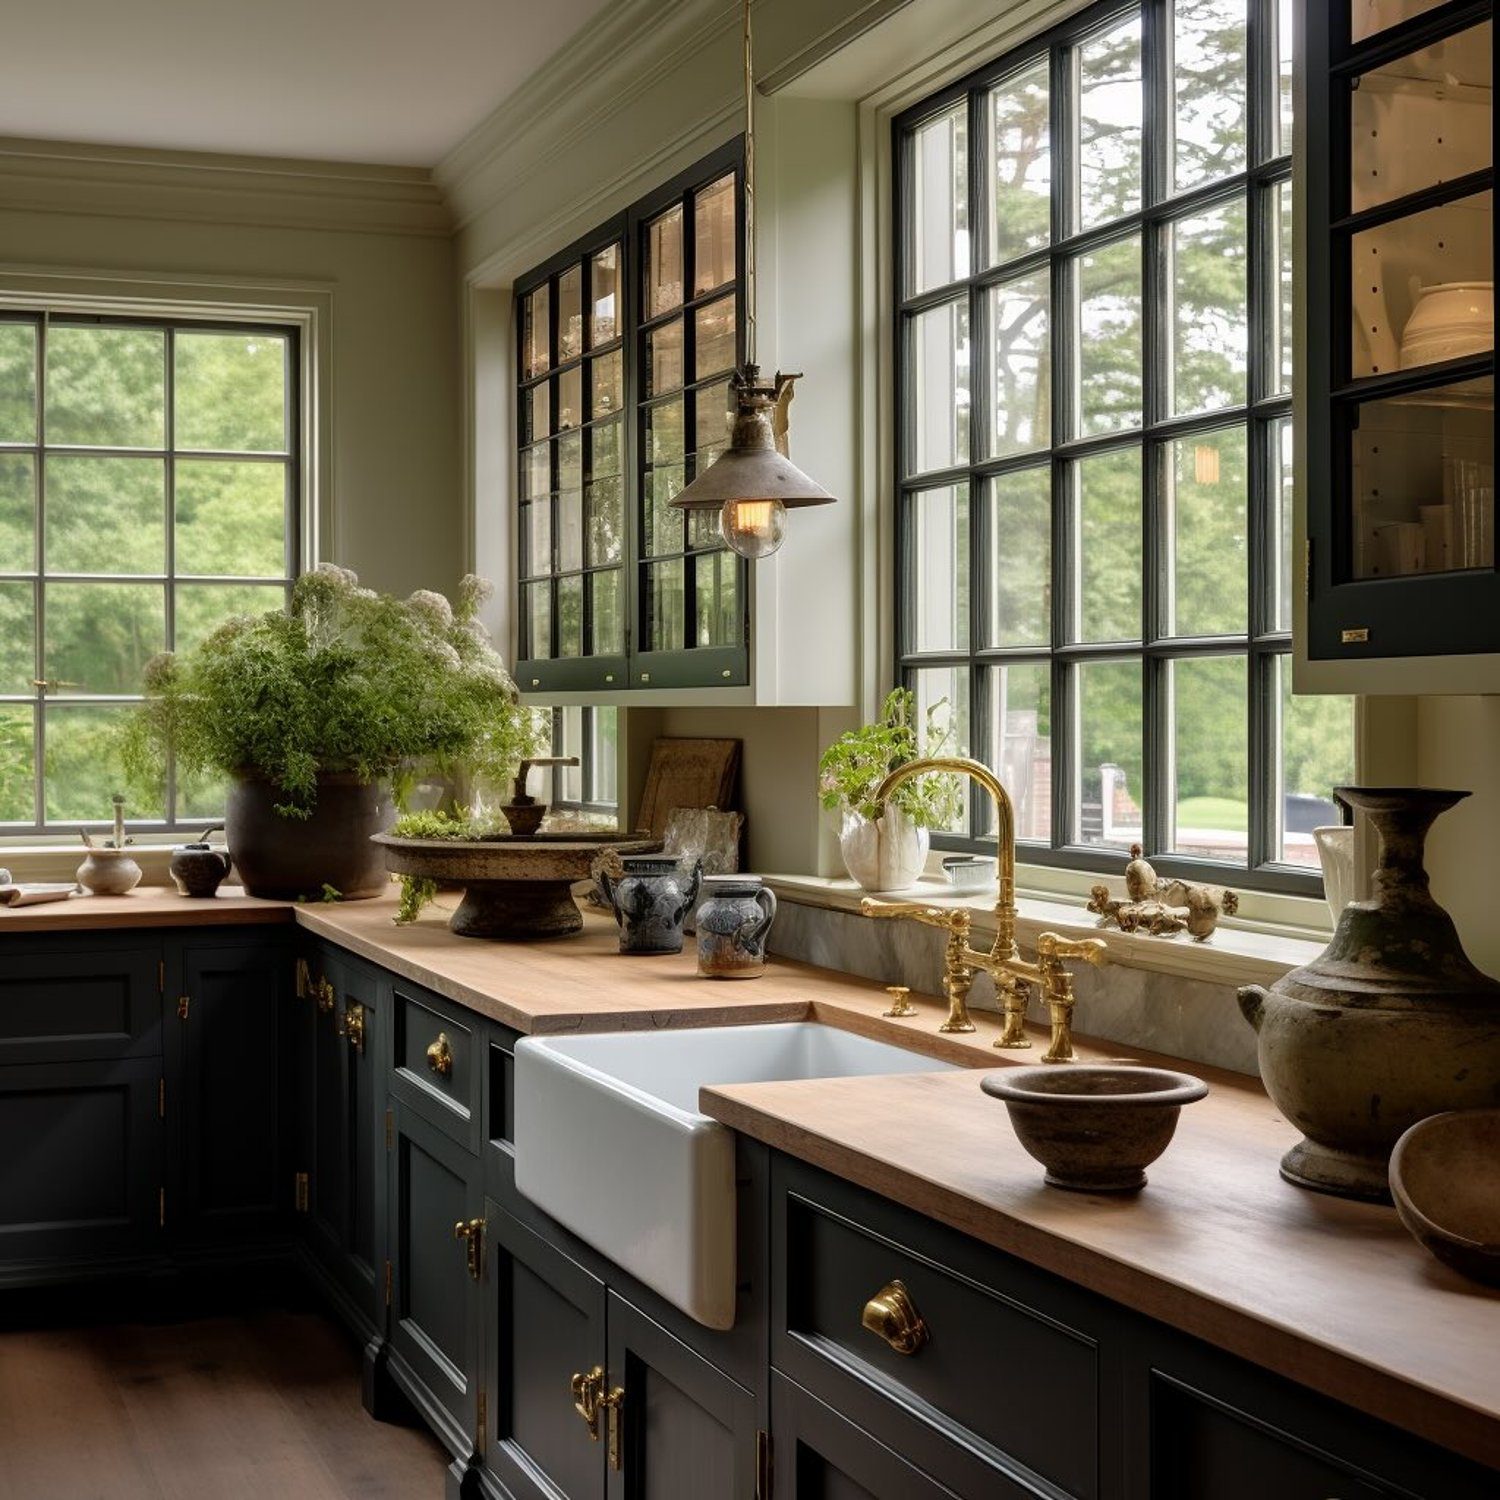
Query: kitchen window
(148,492)
(588,791)
(1094,449)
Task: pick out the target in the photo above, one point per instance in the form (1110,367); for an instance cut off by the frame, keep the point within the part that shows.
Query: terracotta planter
(1389,1024)
(886,854)
(290,859)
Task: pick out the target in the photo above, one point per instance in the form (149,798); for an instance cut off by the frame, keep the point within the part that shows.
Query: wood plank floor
(263,1406)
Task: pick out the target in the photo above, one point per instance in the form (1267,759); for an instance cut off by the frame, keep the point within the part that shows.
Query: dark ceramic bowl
(1095,1129)
(1445,1178)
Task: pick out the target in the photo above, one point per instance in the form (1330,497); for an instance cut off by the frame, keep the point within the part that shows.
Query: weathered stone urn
(1389,1024)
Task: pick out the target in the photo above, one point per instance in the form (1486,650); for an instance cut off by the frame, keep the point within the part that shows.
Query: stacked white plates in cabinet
(1450,320)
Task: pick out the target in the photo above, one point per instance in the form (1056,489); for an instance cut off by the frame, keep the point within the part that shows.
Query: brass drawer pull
(472,1234)
(440,1056)
(323,992)
(352,1025)
(892,1315)
(588,1395)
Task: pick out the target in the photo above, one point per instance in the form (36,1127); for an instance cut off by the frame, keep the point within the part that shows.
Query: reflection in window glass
(1020,166)
(1109,123)
(939,178)
(1211,797)
(1210,330)
(939,364)
(940,556)
(1208,72)
(1020,414)
(1110,349)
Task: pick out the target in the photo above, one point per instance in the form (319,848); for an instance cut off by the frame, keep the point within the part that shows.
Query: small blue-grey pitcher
(650,897)
(733,923)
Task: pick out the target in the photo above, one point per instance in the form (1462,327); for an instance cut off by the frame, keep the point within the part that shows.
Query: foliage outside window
(1094,453)
(148,492)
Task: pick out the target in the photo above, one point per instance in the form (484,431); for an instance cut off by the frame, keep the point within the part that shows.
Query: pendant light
(753,484)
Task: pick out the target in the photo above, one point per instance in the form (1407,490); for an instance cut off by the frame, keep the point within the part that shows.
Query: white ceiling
(394,81)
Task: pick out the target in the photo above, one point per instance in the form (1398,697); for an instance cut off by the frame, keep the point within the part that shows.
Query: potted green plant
(321,717)
(885,849)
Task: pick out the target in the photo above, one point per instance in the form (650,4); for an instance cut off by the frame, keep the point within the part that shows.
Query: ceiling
(393,81)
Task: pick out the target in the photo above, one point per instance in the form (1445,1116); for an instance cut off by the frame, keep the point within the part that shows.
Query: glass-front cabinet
(626,345)
(1400,348)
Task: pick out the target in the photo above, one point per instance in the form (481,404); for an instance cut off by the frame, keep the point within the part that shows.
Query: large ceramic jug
(650,897)
(1389,1024)
(733,923)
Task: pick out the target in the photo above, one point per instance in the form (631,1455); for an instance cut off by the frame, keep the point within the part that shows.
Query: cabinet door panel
(87,1181)
(687,1430)
(364,1104)
(544,1322)
(88,1000)
(328,1190)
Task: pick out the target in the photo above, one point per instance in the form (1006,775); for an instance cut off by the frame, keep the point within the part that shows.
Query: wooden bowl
(1094,1128)
(1445,1178)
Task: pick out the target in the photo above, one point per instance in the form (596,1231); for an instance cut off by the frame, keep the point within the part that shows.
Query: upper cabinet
(1397,302)
(626,345)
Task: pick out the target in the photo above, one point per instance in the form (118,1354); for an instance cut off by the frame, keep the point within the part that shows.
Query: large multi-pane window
(590,789)
(1094,447)
(148,491)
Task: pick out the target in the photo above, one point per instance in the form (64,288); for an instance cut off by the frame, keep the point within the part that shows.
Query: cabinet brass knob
(323,991)
(352,1026)
(440,1056)
(890,1314)
(588,1394)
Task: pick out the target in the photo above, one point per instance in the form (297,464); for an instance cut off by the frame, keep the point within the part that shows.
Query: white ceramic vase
(886,854)
(1336,855)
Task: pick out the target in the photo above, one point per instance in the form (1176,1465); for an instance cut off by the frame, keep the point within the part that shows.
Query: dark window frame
(1263,645)
(291,458)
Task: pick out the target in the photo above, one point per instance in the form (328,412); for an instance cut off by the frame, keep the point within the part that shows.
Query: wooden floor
(263,1406)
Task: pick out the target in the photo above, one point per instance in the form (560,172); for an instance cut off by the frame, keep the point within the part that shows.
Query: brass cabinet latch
(301,1192)
(440,1056)
(324,992)
(614,1405)
(588,1394)
(352,1025)
(184,1002)
(472,1234)
(891,1315)
(304,980)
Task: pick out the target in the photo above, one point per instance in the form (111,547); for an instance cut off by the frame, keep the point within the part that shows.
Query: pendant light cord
(749,191)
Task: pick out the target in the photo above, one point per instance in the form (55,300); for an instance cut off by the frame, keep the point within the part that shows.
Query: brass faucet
(1013,976)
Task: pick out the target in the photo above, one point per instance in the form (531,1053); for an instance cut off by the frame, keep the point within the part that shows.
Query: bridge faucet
(1013,975)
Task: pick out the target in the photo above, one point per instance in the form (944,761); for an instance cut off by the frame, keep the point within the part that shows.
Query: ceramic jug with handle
(650,894)
(733,922)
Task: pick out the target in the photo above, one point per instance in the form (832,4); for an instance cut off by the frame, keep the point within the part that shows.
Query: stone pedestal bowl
(1094,1128)
(1445,1178)
(516,889)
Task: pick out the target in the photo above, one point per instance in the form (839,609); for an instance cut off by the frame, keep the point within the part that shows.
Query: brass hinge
(161,1098)
(301,1192)
(614,1405)
(1307,570)
(183,1002)
(763,1472)
(389,1278)
(161,1207)
(481,1422)
(303,979)
(161,976)
(390,1129)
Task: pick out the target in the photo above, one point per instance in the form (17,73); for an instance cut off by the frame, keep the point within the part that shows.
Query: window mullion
(981,387)
(169,417)
(39,596)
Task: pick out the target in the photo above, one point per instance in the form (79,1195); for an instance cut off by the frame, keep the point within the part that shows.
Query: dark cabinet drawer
(834,1248)
(436,1061)
(83,1002)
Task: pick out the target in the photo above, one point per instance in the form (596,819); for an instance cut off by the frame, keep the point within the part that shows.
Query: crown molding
(206,187)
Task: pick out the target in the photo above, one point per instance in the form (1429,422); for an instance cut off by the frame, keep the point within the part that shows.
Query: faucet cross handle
(1093,951)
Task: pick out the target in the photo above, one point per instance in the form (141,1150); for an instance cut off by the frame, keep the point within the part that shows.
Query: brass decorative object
(440,1056)
(1162,908)
(901,1005)
(891,1315)
(471,1232)
(353,1028)
(1013,975)
(588,1395)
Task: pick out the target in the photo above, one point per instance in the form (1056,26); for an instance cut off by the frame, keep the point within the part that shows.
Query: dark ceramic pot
(650,899)
(291,859)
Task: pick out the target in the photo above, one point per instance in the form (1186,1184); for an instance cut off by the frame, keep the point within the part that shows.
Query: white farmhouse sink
(609,1140)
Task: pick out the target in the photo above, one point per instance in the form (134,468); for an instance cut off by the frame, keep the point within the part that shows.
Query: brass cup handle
(890,1314)
(440,1056)
(588,1397)
(471,1232)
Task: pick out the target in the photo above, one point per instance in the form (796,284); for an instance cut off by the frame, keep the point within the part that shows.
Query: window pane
(1283,309)
(606,521)
(1110,351)
(106,387)
(106,515)
(664,355)
(663,525)
(570,461)
(202,607)
(570,398)
(1021,699)
(1109,546)
(605,731)
(606,444)
(1208,534)
(1317,754)
(1284,35)
(1281,520)
(664,263)
(536,524)
(1424,118)
(608,390)
(1366,17)
(1423,288)
(716,582)
(1020,167)
(536,471)
(570,314)
(1021,558)
(666,616)
(536,408)
(1109,123)
(17,382)
(714,236)
(230,392)
(938,354)
(609,614)
(17,764)
(83,768)
(713,335)
(943,718)
(1211,758)
(231,518)
(202,799)
(1107,806)
(1209,321)
(17,638)
(570,616)
(712,418)
(569,531)
(604,310)
(939,213)
(17,513)
(1208,67)
(939,562)
(665,442)
(1020,414)
(537,608)
(99,636)
(535,333)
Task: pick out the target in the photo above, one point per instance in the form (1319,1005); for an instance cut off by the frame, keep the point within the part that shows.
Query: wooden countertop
(1329,1293)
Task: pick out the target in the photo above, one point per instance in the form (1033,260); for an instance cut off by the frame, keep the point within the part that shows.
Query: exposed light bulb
(753,528)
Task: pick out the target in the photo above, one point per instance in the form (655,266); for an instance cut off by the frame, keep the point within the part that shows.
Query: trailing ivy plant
(851,769)
(347,681)
(418,890)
